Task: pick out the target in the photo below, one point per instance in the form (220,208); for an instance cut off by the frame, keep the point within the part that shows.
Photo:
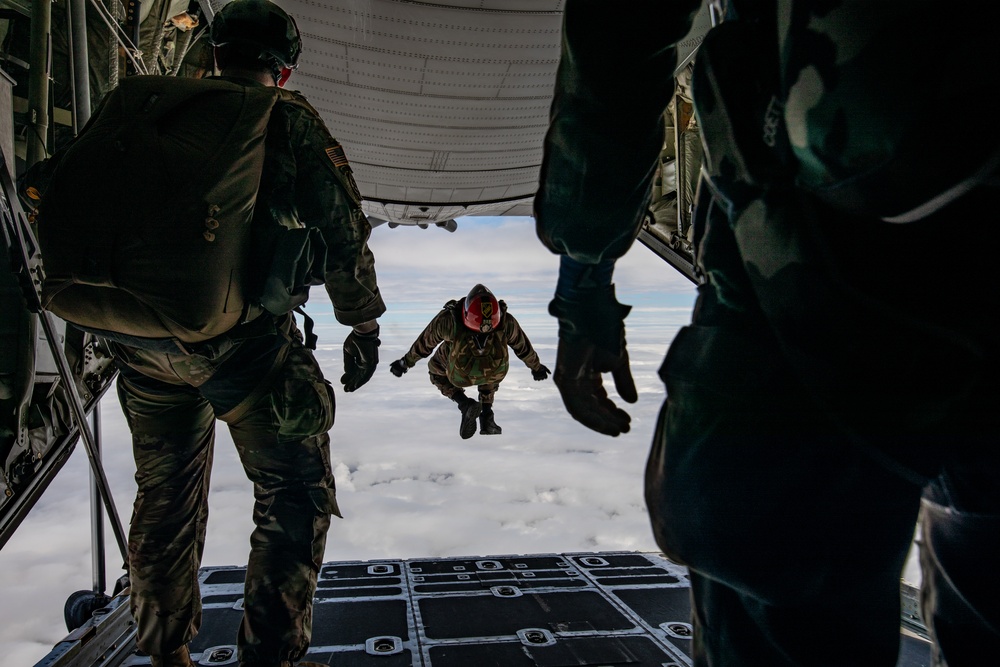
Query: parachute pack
(148,227)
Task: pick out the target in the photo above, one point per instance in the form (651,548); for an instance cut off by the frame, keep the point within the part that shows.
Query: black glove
(540,373)
(360,358)
(398,367)
(592,342)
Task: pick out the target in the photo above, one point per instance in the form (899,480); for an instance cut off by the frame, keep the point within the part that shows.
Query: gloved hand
(398,367)
(592,342)
(360,359)
(540,373)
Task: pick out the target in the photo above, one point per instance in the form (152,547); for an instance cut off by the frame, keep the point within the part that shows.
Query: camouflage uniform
(262,381)
(833,373)
(460,362)
(311,180)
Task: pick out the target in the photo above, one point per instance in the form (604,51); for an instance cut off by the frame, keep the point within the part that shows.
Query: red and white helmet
(481,310)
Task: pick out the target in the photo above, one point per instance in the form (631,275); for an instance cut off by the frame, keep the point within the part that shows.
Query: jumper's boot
(470,412)
(178,658)
(487,425)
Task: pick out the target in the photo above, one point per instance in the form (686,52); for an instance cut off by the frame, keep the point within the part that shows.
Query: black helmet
(262,25)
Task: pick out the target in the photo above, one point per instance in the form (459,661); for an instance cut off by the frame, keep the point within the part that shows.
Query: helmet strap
(282,77)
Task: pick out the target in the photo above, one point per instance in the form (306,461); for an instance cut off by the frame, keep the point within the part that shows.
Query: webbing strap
(311,338)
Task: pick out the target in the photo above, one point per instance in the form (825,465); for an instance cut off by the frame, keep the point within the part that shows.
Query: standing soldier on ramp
(241,359)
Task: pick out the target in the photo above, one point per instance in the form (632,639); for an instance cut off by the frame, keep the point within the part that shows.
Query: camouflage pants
(448,390)
(271,393)
(782,519)
(772,511)
(437,368)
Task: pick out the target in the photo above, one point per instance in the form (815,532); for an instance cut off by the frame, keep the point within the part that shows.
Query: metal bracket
(27,260)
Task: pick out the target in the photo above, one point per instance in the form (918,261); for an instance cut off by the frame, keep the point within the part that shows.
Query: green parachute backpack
(147,225)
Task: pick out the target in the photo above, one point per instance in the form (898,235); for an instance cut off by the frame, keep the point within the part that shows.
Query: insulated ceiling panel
(440,106)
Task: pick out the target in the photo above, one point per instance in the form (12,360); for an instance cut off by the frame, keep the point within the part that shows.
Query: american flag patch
(336,155)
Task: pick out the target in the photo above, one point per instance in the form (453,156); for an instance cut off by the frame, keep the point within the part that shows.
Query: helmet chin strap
(282,77)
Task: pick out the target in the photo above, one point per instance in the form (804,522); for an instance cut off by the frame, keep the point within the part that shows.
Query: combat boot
(470,412)
(178,658)
(487,425)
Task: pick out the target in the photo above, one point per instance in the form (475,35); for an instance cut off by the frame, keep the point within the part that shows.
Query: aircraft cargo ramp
(542,610)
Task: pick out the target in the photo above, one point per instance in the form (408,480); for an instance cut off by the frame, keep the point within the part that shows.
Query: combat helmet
(481,310)
(262,25)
